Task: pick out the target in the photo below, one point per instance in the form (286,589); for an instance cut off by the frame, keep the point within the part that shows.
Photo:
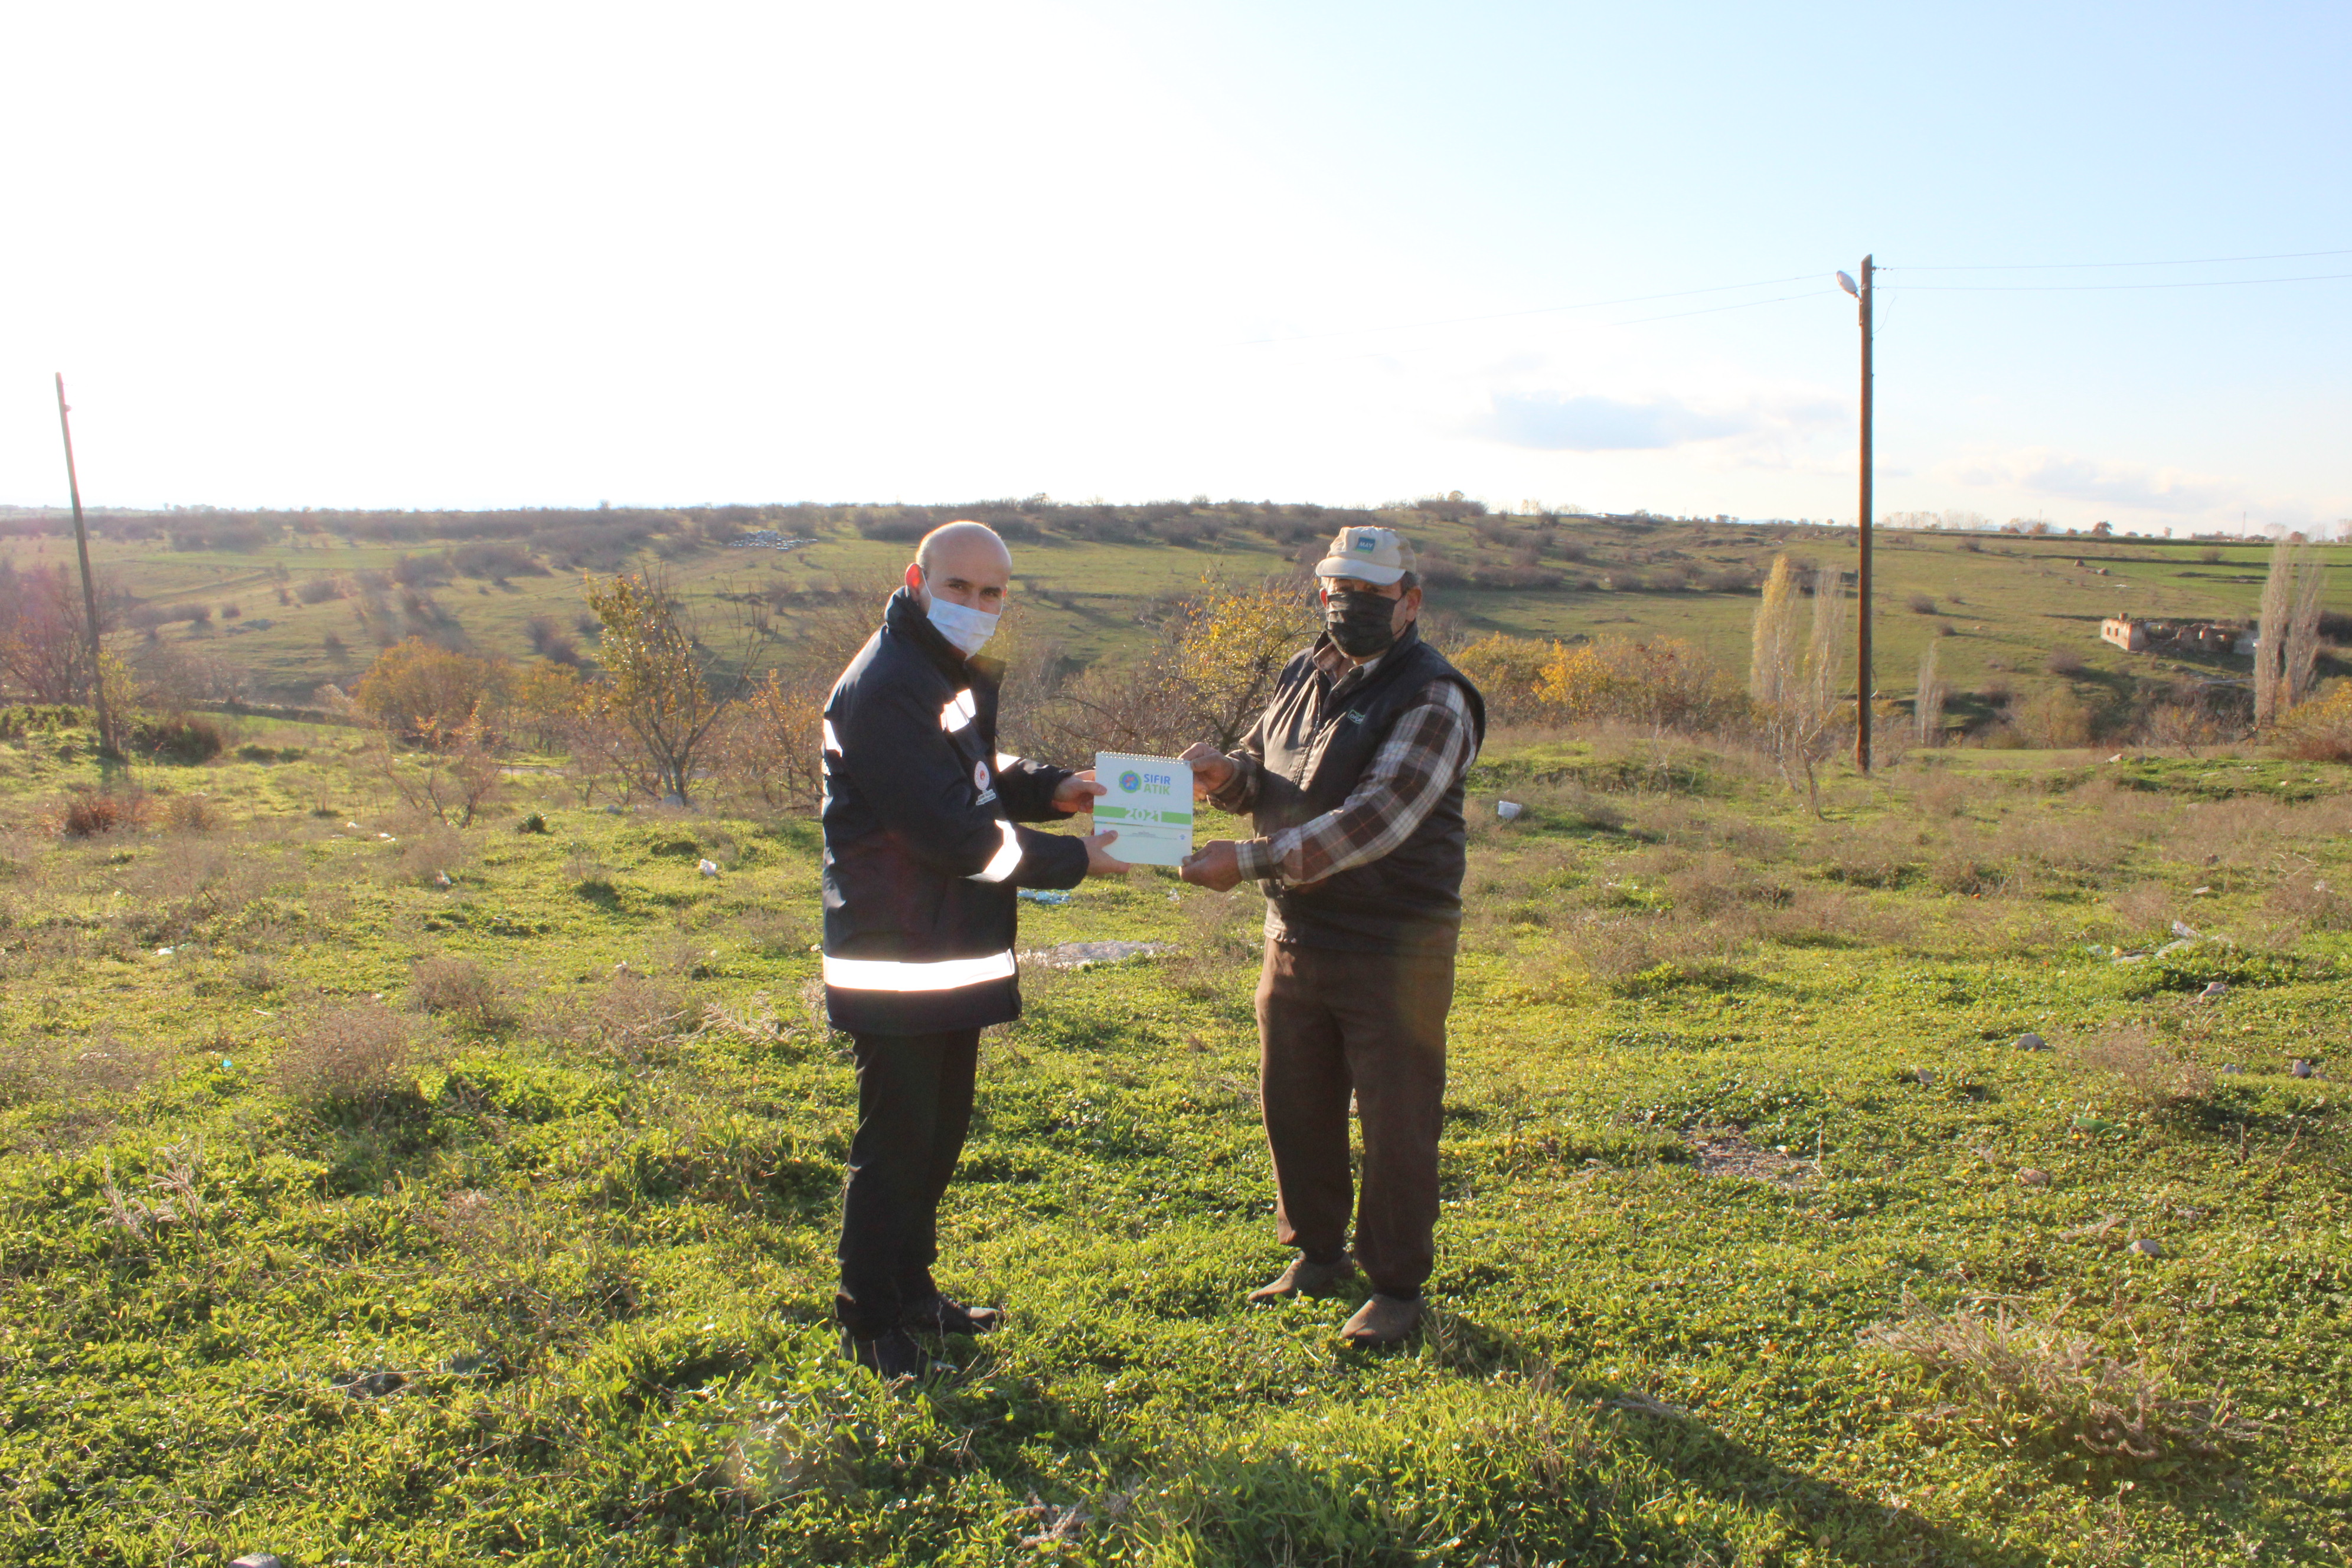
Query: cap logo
(1366,542)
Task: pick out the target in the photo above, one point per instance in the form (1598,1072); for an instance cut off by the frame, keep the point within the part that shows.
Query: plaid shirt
(1425,755)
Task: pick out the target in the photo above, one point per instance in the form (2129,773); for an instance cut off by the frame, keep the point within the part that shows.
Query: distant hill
(275,603)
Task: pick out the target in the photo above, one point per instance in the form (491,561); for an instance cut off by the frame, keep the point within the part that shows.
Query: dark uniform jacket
(921,853)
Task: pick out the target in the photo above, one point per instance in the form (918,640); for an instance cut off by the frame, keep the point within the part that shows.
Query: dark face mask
(1362,623)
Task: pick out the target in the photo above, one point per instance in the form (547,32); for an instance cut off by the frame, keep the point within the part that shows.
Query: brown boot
(1382,1320)
(1306,1278)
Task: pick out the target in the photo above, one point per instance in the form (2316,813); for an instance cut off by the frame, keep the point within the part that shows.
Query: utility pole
(89,591)
(1863,683)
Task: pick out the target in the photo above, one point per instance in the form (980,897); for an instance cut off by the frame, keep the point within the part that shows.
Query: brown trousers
(1330,1021)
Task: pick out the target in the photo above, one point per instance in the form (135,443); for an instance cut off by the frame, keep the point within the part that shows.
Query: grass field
(2000,605)
(373,1192)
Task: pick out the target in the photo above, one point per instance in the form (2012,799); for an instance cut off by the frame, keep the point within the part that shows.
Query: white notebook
(1151,803)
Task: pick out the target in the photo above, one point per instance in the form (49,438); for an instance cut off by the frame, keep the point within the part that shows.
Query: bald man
(922,856)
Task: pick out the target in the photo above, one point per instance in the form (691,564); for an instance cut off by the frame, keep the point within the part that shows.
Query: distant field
(2001,605)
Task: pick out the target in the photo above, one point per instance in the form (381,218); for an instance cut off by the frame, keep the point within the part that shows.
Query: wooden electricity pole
(1862,693)
(89,591)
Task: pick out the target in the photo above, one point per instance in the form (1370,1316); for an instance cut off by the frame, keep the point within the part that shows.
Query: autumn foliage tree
(1228,646)
(1206,678)
(658,678)
(421,693)
(1662,684)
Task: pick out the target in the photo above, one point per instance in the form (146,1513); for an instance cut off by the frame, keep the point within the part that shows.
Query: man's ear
(915,575)
(1408,608)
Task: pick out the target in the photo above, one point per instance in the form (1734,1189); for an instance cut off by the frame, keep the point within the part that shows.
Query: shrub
(1921,603)
(191,814)
(1506,671)
(550,641)
(358,1059)
(179,739)
(494,561)
(1665,684)
(2145,1074)
(2026,1380)
(460,986)
(424,694)
(2195,967)
(894,527)
(2054,718)
(772,747)
(2064,661)
(34,1069)
(2314,903)
(632,1021)
(90,812)
(2319,730)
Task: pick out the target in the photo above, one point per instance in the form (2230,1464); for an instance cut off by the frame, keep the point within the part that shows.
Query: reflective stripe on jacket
(922,855)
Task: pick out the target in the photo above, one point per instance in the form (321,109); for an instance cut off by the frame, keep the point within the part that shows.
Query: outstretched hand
(1077,793)
(1211,769)
(1216,866)
(1098,860)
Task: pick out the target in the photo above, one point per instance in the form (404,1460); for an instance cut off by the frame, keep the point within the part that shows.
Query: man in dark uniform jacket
(922,856)
(1353,775)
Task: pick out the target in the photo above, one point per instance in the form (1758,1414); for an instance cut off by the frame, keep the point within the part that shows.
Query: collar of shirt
(1337,667)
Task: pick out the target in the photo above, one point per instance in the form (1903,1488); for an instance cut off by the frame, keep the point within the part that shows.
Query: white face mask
(967,631)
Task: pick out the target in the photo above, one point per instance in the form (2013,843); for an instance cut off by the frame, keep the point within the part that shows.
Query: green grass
(556,1291)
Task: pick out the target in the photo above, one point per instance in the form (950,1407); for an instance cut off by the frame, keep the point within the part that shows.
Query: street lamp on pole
(1862,688)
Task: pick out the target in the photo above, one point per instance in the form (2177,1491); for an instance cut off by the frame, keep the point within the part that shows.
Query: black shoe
(893,1354)
(946,1315)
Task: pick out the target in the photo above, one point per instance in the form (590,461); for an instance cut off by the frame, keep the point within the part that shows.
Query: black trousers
(914,1107)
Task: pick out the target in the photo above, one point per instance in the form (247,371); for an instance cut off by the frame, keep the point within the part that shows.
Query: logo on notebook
(1131,780)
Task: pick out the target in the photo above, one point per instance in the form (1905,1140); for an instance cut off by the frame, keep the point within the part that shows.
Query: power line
(1638,321)
(1537,311)
(2079,287)
(1712,310)
(2069,266)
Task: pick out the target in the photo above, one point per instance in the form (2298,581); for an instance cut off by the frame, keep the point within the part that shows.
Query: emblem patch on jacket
(979,777)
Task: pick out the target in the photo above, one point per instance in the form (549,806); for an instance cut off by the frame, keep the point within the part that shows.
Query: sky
(1578,255)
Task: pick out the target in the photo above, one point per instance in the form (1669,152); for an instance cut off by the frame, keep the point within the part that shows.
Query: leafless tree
(1927,708)
(1794,680)
(2287,651)
(44,647)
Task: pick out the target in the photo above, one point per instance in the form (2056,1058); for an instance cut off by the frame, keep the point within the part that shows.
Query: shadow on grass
(1679,1442)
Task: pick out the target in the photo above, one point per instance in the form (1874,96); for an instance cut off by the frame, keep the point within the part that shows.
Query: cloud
(2120,485)
(1553,423)
(1586,422)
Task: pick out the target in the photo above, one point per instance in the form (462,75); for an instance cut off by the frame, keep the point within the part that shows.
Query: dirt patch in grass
(1725,1152)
